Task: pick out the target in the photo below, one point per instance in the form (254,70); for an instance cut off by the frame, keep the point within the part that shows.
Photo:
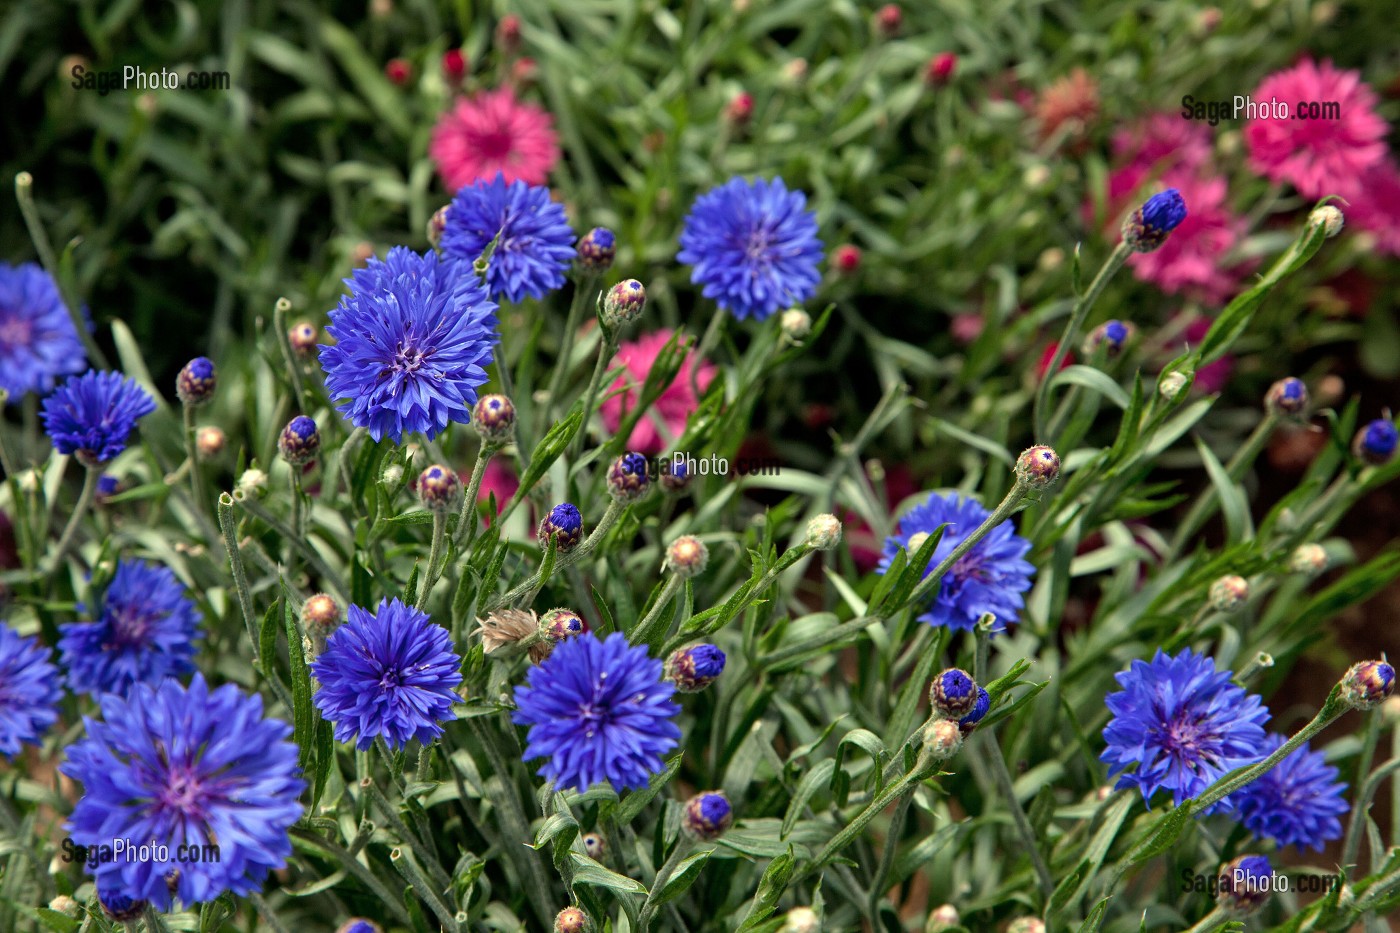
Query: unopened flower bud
(300,440)
(359,925)
(687,556)
(953,693)
(695,668)
(596,845)
(65,905)
(209,442)
(624,303)
(437,225)
(801,920)
(1245,884)
(942,739)
(708,815)
(196,382)
(940,68)
(558,624)
(795,324)
(493,417)
(846,259)
(1367,684)
(1113,336)
(438,488)
(1375,443)
(302,336)
(740,109)
(399,71)
(1327,217)
(392,475)
(824,532)
(252,482)
(979,711)
(1171,386)
(629,479)
(942,918)
(120,907)
(320,615)
(571,920)
(596,249)
(1228,593)
(1026,925)
(454,66)
(675,475)
(1147,228)
(888,20)
(1287,397)
(1308,558)
(564,524)
(1037,467)
(508,33)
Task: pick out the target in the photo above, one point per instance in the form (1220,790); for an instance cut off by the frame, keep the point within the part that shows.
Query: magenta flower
(673,407)
(493,132)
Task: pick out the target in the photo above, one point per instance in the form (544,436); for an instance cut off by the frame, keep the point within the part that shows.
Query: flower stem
(1211,921)
(407,867)
(466,519)
(434,554)
(854,828)
(1077,316)
(352,864)
(641,635)
(1002,776)
(301,544)
(607,349)
(284,340)
(265,911)
(882,871)
(707,343)
(240,575)
(70,530)
(566,342)
(928,585)
(1351,846)
(1205,503)
(663,874)
(192,457)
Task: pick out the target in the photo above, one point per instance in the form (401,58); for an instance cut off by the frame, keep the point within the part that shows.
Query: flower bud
(1308,558)
(1113,336)
(801,920)
(846,258)
(979,710)
(438,488)
(559,624)
(1244,883)
(564,524)
(596,249)
(493,417)
(1026,925)
(209,442)
(942,739)
(1327,217)
(320,615)
(107,487)
(1286,397)
(824,532)
(624,303)
(686,556)
(953,693)
(1367,684)
(1228,593)
(942,918)
(359,925)
(1375,443)
(695,668)
(302,336)
(795,324)
(708,815)
(195,384)
(1147,228)
(940,68)
(437,225)
(399,71)
(253,481)
(675,476)
(888,20)
(1037,467)
(571,920)
(65,905)
(1172,385)
(508,33)
(628,478)
(596,845)
(120,907)
(391,476)
(454,66)
(300,440)
(739,110)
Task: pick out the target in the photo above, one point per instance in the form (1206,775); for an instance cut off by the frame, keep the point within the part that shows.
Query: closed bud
(437,225)
(979,710)
(628,478)
(320,615)
(359,925)
(953,693)
(846,259)
(1286,397)
(1308,558)
(1328,218)
(1112,336)
(595,844)
(1228,593)
(454,67)
(796,324)
(824,532)
(209,442)
(1147,228)
(392,475)
(942,918)
(1367,684)
(1037,467)
(493,417)
(252,482)
(801,920)
(708,815)
(119,907)
(940,68)
(1244,884)
(624,303)
(438,488)
(571,920)
(399,71)
(687,556)
(563,523)
(888,20)
(942,740)
(740,109)
(1171,386)
(1375,443)
(1026,925)
(65,905)
(695,668)
(300,440)
(196,382)
(508,33)
(675,476)
(596,249)
(302,336)
(559,624)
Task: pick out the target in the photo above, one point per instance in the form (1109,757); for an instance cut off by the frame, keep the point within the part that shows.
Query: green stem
(1214,920)
(284,340)
(70,530)
(434,555)
(265,911)
(1351,846)
(191,454)
(790,557)
(538,579)
(1206,501)
(882,871)
(253,507)
(566,342)
(1002,777)
(298,518)
(24,193)
(466,519)
(853,829)
(406,835)
(663,874)
(414,876)
(240,575)
(607,349)
(641,635)
(350,861)
(1077,316)
(707,343)
(924,591)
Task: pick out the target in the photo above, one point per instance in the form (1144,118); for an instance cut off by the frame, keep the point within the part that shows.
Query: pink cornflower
(1190,261)
(671,409)
(1374,205)
(1316,156)
(493,132)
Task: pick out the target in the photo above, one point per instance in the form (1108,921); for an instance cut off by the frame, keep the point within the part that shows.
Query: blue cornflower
(1296,802)
(189,766)
(38,343)
(29,690)
(145,631)
(414,338)
(754,247)
(598,710)
(1183,724)
(989,578)
(1376,442)
(391,673)
(1146,228)
(979,711)
(92,415)
(536,245)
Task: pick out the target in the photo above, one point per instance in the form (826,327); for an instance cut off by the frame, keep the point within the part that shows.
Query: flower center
(130,627)
(409,359)
(1184,739)
(15,331)
(390,679)
(183,793)
(495,145)
(759,245)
